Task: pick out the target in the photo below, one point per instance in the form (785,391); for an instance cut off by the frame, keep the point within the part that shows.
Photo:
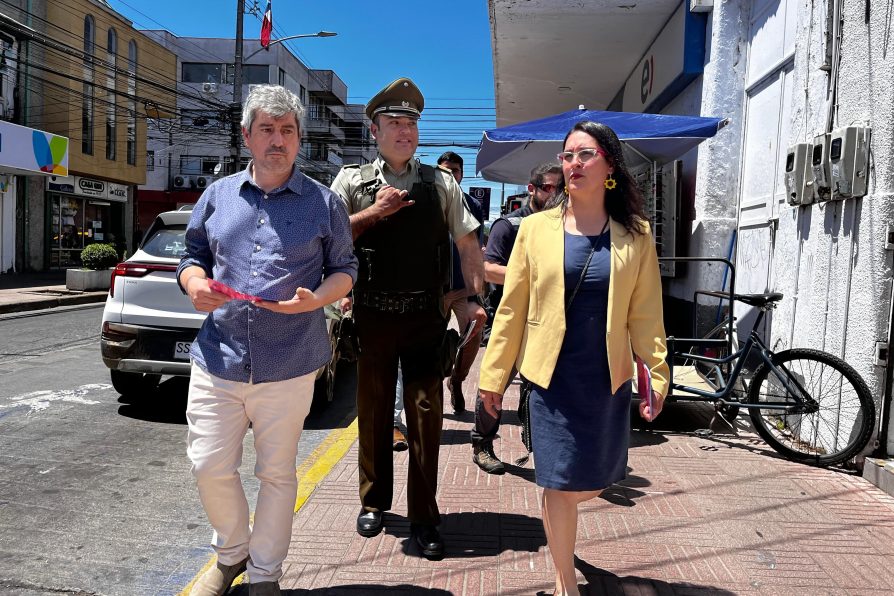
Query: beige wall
(63,95)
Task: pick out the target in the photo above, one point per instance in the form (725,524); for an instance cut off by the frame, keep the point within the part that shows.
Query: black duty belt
(397,302)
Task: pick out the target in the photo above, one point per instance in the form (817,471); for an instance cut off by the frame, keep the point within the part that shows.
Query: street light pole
(236,105)
(276,41)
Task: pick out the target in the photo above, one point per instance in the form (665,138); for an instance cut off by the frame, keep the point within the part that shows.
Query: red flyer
(644,383)
(228,291)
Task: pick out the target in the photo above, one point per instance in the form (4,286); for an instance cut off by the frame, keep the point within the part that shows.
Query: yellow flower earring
(610,183)
(566,190)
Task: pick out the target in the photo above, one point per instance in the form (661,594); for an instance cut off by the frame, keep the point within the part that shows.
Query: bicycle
(808,405)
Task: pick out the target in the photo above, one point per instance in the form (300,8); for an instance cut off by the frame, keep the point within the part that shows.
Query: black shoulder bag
(524,392)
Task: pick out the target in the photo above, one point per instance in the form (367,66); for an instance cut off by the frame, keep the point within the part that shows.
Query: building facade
(790,76)
(188,152)
(85,77)
(103,91)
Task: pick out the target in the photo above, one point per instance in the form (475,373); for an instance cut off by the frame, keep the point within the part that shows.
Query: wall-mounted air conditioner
(203,182)
(209,87)
(183,182)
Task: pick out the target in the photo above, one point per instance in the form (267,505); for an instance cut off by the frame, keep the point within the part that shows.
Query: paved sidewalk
(697,515)
(37,291)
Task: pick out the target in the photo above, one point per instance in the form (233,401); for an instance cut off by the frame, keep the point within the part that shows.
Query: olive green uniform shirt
(459,220)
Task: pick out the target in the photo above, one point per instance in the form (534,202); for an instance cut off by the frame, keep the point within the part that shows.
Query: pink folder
(644,383)
(228,291)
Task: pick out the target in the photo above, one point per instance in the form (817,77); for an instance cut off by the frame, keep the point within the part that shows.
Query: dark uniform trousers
(414,338)
(486,426)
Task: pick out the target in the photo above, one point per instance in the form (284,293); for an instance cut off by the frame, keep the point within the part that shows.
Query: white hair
(274,100)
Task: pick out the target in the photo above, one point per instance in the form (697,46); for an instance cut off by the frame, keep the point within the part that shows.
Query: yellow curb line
(310,473)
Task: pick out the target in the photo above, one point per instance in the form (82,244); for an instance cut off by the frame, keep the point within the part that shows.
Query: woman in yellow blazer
(578,355)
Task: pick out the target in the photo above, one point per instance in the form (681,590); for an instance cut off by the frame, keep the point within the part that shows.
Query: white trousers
(218,413)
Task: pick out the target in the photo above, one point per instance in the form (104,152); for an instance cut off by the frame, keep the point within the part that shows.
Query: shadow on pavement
(475,533)
(342,410)
(601,582)
(398,590)
(164,404)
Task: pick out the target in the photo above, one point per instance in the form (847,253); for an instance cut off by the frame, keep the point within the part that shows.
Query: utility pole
(236,105)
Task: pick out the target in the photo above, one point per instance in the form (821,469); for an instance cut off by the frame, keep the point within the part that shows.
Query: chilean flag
(267,27)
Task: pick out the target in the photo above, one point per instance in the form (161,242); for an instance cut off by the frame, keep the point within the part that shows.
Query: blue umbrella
(509,153)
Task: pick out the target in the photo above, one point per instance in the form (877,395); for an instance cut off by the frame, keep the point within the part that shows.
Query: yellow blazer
(530,322)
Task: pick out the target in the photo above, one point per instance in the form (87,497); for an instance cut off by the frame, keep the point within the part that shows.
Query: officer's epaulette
(350,166)
(443,169)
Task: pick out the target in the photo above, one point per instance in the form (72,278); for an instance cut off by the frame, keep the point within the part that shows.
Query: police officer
(402,216)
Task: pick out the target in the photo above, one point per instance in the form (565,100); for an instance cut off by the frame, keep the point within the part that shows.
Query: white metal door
(767,105)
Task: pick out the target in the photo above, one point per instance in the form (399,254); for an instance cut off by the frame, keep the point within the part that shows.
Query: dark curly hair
(624,203)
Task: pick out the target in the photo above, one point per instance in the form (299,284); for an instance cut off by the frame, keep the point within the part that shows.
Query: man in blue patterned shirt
(271,232)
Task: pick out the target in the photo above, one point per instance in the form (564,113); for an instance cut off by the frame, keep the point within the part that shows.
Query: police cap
(400,98)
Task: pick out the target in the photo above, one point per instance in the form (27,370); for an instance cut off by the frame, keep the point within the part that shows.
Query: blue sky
(444,47)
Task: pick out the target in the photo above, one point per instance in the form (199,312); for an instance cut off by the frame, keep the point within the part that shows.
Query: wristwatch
(476,298)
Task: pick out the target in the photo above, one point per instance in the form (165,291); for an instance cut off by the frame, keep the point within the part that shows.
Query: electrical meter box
(797,174)
(849,161)
(819,164)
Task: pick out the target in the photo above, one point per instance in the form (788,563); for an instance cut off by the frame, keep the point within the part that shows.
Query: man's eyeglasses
(547,188)
(584,155)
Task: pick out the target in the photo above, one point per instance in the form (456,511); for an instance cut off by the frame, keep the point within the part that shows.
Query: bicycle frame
(728,383)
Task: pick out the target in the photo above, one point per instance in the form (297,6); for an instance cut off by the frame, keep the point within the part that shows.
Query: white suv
(148,324)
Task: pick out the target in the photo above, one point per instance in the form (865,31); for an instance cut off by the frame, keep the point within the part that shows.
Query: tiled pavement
(697,515)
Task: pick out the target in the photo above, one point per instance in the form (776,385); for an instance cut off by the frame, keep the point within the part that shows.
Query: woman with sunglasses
(582,290)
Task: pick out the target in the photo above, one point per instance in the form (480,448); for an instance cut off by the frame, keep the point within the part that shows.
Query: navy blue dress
(580,431)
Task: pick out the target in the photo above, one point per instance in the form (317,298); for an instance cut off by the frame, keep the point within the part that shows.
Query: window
(89,35)
(87,103)
(198,72)
(201,72)
(317,111)
(167,242)
(282,77)
(111,78)
(199,165)
(255,74)
(302,95)
(132,107)
(318,151)
(150,161)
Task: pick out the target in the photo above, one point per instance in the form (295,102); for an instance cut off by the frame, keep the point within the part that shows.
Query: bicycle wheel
(834,414)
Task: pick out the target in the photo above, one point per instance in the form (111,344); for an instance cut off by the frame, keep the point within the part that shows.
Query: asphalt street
(97,496)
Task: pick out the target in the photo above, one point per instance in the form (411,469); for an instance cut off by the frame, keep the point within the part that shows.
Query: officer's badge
(405,103)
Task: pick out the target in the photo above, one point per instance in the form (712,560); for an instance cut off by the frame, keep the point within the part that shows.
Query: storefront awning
(28,151)
(509,154)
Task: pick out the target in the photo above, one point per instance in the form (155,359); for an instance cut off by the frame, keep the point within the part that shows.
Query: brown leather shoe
(399,441)
(218,579)
(485,459)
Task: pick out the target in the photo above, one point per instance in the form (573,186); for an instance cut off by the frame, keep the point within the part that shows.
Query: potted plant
(98,261)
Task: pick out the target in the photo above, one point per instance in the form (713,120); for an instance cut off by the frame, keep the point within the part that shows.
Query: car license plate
(181,350)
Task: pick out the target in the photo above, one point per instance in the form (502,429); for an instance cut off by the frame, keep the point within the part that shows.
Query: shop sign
(88,187)
(116,192)
(26,151)
(64,184)
(482,195)
(674,60)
